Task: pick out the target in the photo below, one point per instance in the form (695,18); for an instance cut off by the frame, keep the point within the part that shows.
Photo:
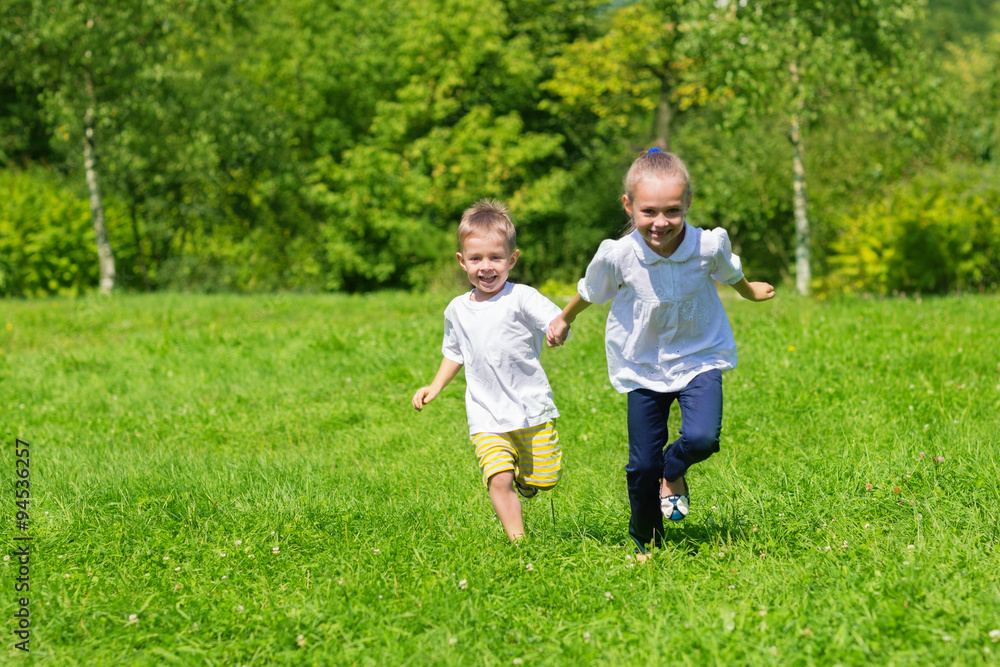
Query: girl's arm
(446,373)
(559,327)
(753,291)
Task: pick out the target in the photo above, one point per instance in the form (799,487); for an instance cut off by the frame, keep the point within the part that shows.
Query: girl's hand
(762,291)
(754,291)
(558,332)
(423,396)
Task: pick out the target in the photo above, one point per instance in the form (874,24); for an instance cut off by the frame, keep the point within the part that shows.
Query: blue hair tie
(653,150)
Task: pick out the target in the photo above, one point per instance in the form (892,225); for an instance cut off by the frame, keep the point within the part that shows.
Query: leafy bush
(938,233)
(46,236)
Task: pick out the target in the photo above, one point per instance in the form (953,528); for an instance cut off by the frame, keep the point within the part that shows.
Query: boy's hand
(423,396)
(557,333)
(446,373)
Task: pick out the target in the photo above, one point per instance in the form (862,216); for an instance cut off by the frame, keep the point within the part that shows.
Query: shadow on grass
(687,536)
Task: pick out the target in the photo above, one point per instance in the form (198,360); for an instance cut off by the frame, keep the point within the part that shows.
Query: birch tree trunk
(664,115)
(803,274)
(104,253)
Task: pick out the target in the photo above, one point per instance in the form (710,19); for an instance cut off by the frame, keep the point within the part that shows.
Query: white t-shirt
(666,324)
(499,342)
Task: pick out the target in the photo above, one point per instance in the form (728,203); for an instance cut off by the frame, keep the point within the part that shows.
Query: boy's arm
(559,327)
(754,291)
(446,373)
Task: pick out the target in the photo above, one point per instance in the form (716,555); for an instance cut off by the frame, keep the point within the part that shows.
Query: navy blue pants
(649,456)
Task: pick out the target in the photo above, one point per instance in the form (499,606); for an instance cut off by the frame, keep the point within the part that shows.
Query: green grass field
(231,480)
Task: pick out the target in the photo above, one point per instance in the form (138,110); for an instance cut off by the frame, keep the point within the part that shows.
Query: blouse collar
(681,254)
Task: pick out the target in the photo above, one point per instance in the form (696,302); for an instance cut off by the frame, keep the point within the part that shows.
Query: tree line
(260,145)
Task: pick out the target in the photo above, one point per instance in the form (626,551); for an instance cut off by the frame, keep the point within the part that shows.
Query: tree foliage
(937,233)
(333,146)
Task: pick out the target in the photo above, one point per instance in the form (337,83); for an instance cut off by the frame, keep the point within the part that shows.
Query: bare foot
(678,487)
(643,557)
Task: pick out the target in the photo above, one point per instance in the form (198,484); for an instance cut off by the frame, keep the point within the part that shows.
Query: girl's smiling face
(487,261)
(658,207)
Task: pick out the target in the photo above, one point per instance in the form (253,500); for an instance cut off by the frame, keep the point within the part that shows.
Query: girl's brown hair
(655,163)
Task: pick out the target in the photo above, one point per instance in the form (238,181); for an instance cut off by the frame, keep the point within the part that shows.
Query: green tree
(627,74)
(807,59)
(454,118)
(84,59)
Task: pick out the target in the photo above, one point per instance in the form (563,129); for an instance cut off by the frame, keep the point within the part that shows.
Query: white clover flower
(275,550)
(133,618)
(586,637)
(300,640)
(239,609)
(995,636)
(529,567)
(463,584)
(177,569)
(518,661)
(452,641)
(238,542)
(608,596)
(376,551)
(910,546)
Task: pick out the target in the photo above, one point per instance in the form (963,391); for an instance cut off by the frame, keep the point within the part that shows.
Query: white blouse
(499,342)
(666,324)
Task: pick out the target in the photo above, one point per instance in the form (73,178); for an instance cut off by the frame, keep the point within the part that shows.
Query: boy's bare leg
(506,504)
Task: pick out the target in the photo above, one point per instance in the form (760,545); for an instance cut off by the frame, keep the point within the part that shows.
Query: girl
(667,336)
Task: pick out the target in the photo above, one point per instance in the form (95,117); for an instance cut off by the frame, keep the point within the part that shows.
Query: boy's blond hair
(487,218)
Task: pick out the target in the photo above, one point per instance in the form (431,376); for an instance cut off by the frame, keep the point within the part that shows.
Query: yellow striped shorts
(533,454)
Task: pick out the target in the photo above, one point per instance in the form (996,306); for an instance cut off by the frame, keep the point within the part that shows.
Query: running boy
(496,331)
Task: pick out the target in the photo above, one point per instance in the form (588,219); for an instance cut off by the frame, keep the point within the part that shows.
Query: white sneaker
(675,507)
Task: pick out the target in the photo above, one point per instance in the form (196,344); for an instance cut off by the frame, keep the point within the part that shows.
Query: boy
(496,332)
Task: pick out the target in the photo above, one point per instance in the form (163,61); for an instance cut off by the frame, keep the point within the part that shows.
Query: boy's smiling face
(488,262)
